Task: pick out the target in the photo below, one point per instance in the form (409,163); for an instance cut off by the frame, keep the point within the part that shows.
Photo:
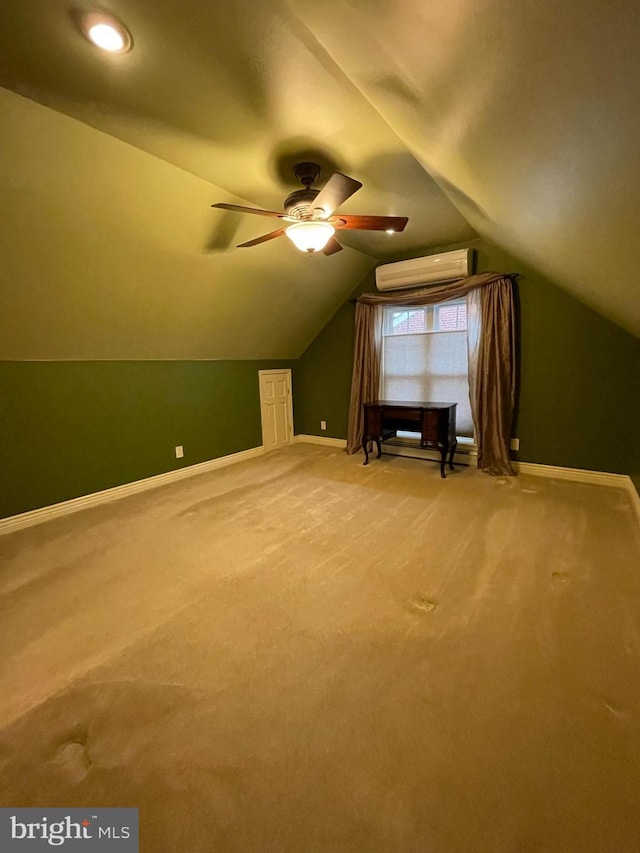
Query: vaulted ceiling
(514,121)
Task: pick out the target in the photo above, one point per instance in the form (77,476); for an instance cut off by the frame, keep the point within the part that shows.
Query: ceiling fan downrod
(307,173)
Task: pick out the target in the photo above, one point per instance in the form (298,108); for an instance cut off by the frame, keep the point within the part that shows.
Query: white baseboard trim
(635,498)
(37,516)
(322,440)
(576,475)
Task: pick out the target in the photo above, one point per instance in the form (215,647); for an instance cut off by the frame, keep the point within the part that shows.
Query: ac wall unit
(446,266)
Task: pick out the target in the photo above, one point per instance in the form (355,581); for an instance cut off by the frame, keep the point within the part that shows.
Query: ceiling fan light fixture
(311,235)
(106,32)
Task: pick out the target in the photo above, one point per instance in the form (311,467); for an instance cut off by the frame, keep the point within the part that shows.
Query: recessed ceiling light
(391,231)
(106,32)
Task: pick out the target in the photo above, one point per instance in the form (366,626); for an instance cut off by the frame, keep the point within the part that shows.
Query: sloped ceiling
(526,114)
(514,121)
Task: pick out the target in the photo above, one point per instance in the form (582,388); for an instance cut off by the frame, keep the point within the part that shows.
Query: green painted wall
(579,387)
(69,428)
(323,377)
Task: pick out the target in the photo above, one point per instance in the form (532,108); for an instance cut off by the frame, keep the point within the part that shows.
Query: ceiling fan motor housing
(297,204)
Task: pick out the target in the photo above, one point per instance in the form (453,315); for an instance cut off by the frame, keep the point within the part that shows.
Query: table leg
(443,459)
(365,441)
(379,448)
(453,450)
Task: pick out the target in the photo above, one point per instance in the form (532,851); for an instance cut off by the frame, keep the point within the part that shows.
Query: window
(424,357)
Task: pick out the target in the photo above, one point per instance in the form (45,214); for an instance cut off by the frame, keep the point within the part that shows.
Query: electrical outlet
(323,424)
(514,444)
(179,451)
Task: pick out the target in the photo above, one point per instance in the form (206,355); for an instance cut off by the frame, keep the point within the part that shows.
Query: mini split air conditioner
(447,266)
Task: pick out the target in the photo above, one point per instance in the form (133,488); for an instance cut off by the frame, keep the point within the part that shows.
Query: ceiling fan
(311,217)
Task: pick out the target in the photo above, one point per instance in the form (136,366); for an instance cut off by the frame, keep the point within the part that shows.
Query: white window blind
(424,357)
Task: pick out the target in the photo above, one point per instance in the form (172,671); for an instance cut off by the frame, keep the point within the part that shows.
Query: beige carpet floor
(298,653)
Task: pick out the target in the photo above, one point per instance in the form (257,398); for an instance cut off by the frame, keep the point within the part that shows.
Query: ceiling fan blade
(338,189)
(263,239)
(332,247)
(370,223)
(238,209)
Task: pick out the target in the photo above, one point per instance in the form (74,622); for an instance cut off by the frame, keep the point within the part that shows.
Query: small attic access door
(276,409)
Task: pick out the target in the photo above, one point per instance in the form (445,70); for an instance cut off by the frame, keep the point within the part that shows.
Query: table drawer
(399,414)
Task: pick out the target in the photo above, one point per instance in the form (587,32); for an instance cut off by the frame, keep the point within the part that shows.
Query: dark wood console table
(436,423)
